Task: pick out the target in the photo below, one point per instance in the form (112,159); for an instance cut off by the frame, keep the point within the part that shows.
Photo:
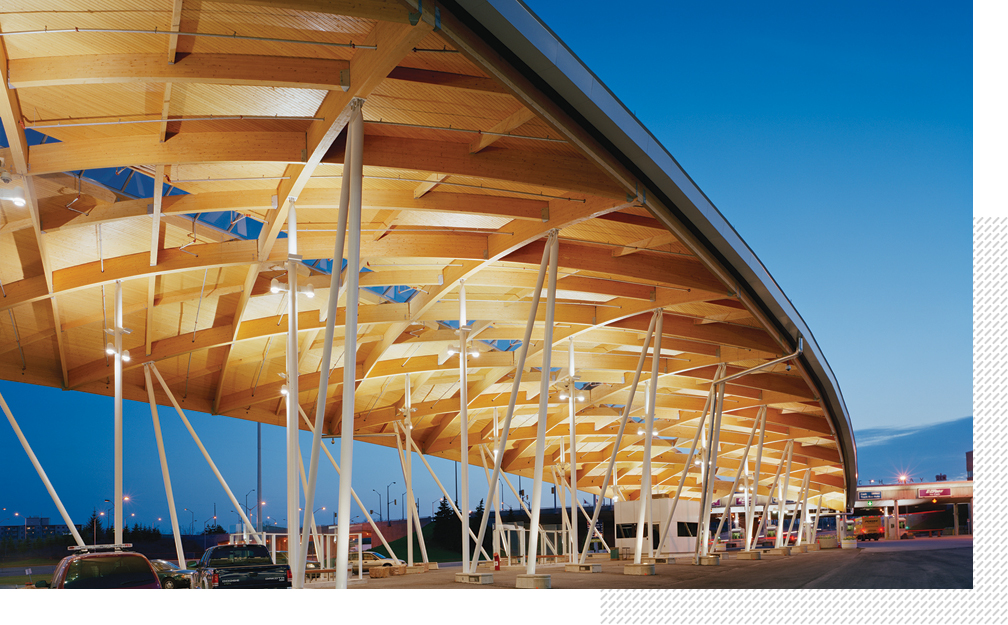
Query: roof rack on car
(90,548)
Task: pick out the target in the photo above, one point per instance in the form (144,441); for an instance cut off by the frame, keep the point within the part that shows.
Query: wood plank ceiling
(467,168)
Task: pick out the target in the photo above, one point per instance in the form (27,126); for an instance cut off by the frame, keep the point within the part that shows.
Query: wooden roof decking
(439,204)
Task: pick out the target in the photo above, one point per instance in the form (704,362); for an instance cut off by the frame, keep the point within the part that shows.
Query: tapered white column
(117,424)
(408,465)
(710,474)
(782,500)
(501,442)
(751,508)
(293,451)
(353,161)
(619,437)
(540,449)
(164,470)
(573,452)
(326,364)
(464,424)
(644,515)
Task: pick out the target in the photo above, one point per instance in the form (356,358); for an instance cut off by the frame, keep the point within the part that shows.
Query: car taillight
(290,576)
(216,579)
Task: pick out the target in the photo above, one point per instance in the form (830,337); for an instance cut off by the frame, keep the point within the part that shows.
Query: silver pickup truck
(240,566)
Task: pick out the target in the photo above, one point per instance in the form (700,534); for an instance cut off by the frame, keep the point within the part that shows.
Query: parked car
(240,566)
(171,575)
(311,566)
(370,559)
(104,569)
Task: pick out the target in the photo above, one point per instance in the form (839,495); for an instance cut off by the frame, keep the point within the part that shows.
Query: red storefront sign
(924,493)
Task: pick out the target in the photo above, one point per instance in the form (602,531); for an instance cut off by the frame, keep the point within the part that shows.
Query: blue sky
(837,140)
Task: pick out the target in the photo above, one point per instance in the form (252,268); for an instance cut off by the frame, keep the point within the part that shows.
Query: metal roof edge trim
(535,45)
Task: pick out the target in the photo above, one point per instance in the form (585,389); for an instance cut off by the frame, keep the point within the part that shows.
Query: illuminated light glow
(284,390)
(274,286)
(580,397)
(19,201)
(308,291)
(109,349)
(452,351)
(564,395)
(126,355)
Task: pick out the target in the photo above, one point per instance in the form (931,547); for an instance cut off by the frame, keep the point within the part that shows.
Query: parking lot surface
(945,562)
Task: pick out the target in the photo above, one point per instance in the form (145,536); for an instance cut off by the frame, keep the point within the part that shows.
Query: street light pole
(387,499)
(192,522)
(379,504)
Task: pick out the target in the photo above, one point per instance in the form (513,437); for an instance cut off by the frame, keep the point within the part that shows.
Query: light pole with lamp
(387,501)
(379,504)
(192,521)
(402,507)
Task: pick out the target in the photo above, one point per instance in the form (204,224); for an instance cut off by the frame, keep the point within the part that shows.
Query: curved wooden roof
(472,154)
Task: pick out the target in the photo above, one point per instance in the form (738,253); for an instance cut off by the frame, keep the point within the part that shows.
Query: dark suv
(105,569)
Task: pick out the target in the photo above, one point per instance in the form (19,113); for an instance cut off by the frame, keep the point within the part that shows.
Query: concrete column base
(479,579)
(812,547)
(661,560)
(432,566)
(749,555)
(712,560)
(484,564)
(413,570)
(638,569)
(583,568)
(800,548)
(778,551)
(535,580)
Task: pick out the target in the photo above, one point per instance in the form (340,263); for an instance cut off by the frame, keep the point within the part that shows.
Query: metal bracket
(274,202)
(414,18)
(304,155)
(545,213)
(150,209)
(344,79)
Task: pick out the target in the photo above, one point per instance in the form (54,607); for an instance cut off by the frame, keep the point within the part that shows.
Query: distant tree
(214,529)
(447,528)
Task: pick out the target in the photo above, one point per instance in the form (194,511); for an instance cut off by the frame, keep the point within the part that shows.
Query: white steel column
(117,436)
(591,530)
(447,497)
(540,449)
(619,434)
(326,364)
(41,473)
(770,493)
(464,423)
(374,526)
(782,497)
(751,507)
(498,454)
(353,161)
(650,394)
(688,465)
(815,525)
(206,455)
(710,475)
(408,470)
(738,476)
(292,430)
(164,469)
(573,454)
(411,507)
(803,500)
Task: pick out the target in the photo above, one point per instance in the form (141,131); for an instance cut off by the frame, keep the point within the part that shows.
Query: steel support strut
(540,449)
(410,506)
(751,502)
(164,469)
(519,367)
(325,366)
(292,430)
(573,454)
(651,390)
(709,476)
(741,470)
(41,473)
(688,465)
(206,454)
(354,162)
(619,433)
(770,494)
(353,493)
(782,501)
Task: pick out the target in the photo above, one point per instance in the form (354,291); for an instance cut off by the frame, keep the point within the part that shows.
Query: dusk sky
(838,143)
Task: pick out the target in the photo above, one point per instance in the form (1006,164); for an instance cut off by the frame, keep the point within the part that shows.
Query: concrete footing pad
(583,568)
(432,566)
(812,547)
(749,555)
(638,569)
(712,560)
(800,549)
(536,580)
(413,570)
(479,579)
(778,551)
